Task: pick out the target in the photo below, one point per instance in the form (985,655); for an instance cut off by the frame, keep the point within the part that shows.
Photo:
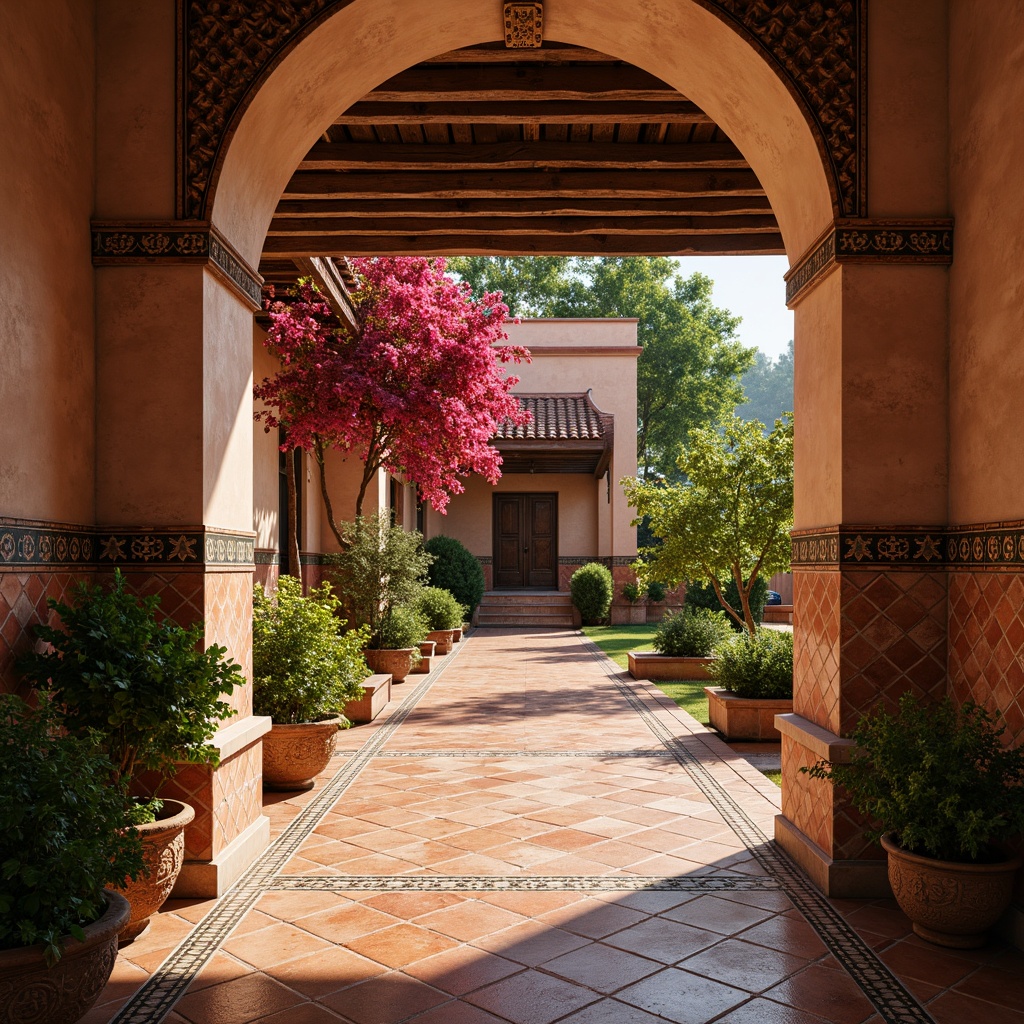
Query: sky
(751,287)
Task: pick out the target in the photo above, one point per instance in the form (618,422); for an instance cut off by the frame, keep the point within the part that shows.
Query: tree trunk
(294,559)
(318,451)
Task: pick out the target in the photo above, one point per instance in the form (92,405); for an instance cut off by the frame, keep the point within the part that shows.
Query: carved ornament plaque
(524,26)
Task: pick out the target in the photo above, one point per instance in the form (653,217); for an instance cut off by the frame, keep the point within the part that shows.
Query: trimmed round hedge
(591,590)
(756,666)
(456,570)
(691,633)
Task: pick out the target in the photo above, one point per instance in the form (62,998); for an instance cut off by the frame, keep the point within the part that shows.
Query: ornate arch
(226,48)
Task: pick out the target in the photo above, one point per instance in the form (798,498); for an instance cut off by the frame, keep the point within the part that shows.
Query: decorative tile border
(174,242)
(524,25)
(26,545)
(872,241)
(524,753)
(525,883)
(991,546)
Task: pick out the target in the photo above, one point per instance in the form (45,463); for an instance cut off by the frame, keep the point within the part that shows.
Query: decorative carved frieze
(866,241)
(226,48)
(992,546)
(52,546)
(524,26)
(188,242)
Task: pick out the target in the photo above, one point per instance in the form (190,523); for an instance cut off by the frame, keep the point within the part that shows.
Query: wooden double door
(526,541)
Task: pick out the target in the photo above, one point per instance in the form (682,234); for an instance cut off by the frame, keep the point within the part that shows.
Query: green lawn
(617,641)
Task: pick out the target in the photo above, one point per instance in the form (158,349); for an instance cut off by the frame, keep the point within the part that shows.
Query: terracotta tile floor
(513,842)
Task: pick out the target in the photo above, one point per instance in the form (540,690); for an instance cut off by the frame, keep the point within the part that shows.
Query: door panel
(526,540)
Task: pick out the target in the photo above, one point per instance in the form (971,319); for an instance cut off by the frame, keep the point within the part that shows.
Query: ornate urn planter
(32,993)
(293,755)
(163,853)
(396,662)
(950,903)
(444,638)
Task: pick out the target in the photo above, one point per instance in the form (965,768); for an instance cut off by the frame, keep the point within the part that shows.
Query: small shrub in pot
(656,592)
(591,590)
(306,666)
(440,609)
(405,627)
(758,665)
(691,633)
(456,570)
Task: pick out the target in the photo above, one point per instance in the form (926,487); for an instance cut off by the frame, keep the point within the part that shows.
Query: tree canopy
(687,373)
(731,517)
(768,386)
(418,390)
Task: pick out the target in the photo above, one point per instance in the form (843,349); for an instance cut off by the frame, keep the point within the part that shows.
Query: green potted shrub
(442,614)
(149,694)
(684,643)
(381,569)
(455,569)
(64,836)
(637,609)
(591,591)
(943,795)
(305,669)
(754,673)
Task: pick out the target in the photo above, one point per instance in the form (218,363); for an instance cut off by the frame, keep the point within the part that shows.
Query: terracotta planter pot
(745,718)
(163,853)
(32,993)
(650,665)
(950,904)
(396,662)
(294,754)
(457,635)
(443,639)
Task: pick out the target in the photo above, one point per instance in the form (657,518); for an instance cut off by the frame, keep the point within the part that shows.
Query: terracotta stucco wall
(47,385)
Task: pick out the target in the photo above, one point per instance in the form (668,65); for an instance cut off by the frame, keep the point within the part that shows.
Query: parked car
(774,597)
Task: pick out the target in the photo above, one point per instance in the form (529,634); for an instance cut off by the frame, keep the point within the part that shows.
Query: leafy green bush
(381,568)
(702,595)
(146,687)
(440,609)
(937,777)
(591,590)
(405,627)
(456,570)
(304,669)
(691,633)
(756,666)
(62,829)
(631,592)
(656,592)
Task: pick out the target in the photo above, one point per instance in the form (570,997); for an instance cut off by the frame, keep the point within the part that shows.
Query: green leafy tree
(768,387)
(731,517)
(687,373)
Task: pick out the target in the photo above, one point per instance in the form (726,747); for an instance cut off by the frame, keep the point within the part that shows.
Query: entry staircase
(525,608)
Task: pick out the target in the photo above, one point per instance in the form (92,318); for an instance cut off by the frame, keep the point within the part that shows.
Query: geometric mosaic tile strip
(418,754)
(521,883)
(895,1005)
(155,998)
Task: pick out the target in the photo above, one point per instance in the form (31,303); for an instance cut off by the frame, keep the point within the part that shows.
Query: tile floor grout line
(887,994)
(155,998)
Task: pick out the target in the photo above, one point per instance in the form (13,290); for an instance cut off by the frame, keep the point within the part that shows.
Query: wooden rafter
(528,111)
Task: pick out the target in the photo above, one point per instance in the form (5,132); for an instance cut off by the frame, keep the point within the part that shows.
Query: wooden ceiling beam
(497,84)
(531,110)
(733,244)
(516,184)
(525,225)
(572,206)
(356,156)
(498,53)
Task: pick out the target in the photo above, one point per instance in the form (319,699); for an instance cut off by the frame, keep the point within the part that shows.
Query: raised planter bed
(779,613)
(743,718)
(426,653)
(376,694)
(649,665)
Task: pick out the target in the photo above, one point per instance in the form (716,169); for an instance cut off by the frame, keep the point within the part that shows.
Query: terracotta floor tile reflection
(522,850)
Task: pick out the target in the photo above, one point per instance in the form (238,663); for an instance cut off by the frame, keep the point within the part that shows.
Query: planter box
(426,653)
(649,665)
(443,639)
(778,613)
(742,718)
(376,694)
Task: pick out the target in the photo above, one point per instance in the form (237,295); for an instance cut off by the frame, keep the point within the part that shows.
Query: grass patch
(775,777)
(618,641)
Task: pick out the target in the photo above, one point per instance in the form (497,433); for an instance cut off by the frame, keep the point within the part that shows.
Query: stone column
(870,603)
(174,487)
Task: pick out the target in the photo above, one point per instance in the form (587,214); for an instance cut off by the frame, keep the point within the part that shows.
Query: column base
(842,879)
(205,878)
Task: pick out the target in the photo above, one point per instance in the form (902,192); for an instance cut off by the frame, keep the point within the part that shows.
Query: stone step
(553,621)
(526,608)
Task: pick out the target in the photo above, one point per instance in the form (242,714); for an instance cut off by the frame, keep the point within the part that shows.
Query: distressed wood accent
(331,283)
(526,111)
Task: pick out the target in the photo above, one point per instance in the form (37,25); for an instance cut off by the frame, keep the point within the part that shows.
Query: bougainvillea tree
(418,390)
